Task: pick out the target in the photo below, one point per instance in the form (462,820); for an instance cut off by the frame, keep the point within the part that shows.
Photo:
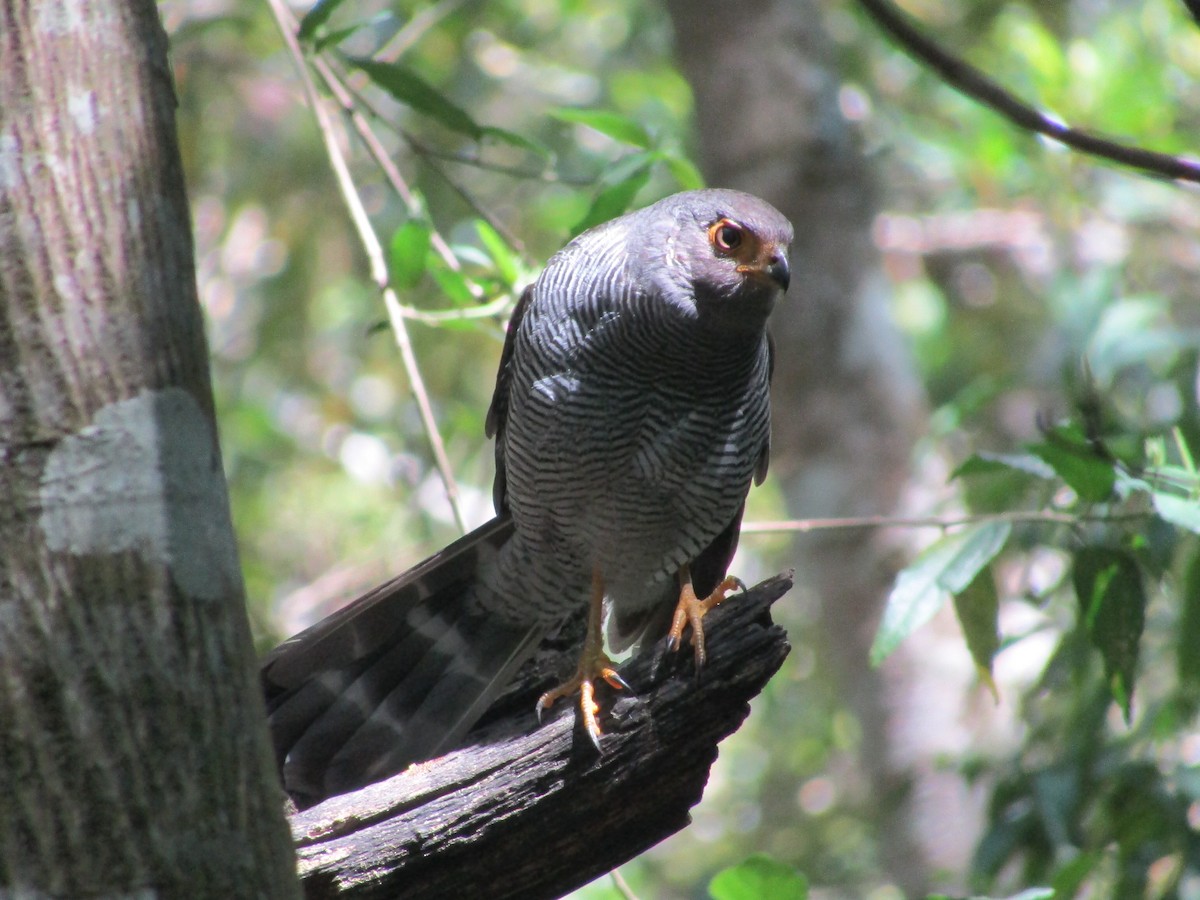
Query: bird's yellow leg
(691,610)
(593,664)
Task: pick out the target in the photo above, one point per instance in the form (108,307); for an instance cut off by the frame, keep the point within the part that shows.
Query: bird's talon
(594,665)
(589,708)
(691,610)
(615,681)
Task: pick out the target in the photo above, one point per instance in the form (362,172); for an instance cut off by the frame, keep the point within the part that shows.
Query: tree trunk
(133,750)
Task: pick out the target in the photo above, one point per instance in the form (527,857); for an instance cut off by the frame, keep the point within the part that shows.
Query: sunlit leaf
(978,609)
(1135,330)
(615,199)
(614,125)
(756,878)
(316,17)
(1042,51)
(506,261)
(947,567)
(409,253)
(1112,602)
(1181,511)
(413,91)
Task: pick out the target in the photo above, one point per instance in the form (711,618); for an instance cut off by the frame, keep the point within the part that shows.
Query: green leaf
(947,567)
(335,37)
(1071,875)
(409,253)
(1090,476)
(519,141)
(684,171)
(756,878)
(1181,511)
(614,125)
(410,89)
(989,463)
(978,609)
(454,285)
(316,17)
(615,199)
(507,263)
(1112,603)
(1041,49)
(1188,639)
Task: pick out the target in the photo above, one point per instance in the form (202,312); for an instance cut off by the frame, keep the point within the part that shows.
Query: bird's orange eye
(726,236)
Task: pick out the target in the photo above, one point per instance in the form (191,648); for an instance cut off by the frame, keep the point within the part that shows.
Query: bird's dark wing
(498,410)
(711,566)
(764,457)
(398,676)
(361,627)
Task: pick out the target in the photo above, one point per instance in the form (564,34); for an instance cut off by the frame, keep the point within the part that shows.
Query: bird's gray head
(719,255)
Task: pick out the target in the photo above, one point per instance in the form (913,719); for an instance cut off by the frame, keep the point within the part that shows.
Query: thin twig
(375,257)
(974,83)
(416,28)
(436,167)
(490,310)
(622,885)
(1035,517)
(547,174)
(341,92)
(347,99)
(353,101)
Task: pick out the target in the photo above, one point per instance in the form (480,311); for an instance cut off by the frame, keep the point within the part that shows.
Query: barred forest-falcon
(631,414)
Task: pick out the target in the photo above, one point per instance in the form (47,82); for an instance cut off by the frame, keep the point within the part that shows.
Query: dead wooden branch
(530,811)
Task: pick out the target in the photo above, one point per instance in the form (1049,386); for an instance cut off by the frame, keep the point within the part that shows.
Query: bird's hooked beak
(772,263)
(778,270)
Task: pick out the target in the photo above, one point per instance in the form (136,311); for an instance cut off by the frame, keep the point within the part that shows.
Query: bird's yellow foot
(593,665)
(691,610)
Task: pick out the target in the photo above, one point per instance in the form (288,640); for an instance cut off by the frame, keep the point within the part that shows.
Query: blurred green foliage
(1033,284)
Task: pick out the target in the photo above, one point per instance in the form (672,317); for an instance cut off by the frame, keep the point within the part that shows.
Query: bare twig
(974,83)
(622,885)
(417,27)
(353,102)
(375,256)
(346,99)
(1035,517)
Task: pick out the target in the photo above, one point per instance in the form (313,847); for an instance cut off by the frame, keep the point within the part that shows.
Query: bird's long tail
(398,676)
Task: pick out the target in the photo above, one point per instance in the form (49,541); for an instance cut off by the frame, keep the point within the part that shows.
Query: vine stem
(375,256)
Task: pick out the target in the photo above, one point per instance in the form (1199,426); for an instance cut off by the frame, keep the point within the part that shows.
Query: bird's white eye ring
(726,236)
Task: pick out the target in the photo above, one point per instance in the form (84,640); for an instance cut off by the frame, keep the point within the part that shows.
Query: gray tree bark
(133,751)
(847,407)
